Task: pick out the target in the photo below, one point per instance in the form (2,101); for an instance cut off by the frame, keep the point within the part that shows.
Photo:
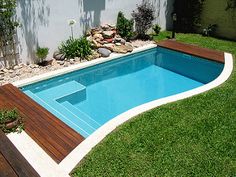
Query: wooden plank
(15,160)
(56,138)
(5,168)
(209,54)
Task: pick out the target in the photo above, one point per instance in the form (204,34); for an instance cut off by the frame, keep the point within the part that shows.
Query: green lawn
(191,137)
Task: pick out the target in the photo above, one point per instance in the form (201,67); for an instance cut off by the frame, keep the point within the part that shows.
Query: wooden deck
(12,163)
(193,50)
(56,138)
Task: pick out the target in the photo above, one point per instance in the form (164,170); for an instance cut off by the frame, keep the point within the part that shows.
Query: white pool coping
(47,167)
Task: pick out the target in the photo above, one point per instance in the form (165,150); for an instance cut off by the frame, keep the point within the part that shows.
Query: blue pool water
(88,98)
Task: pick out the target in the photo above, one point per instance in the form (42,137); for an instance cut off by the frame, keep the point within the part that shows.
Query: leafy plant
(124,26)
(188,15)
(210,30)
(6,119)
(156,28)
(231,4)
(8,25)
(143,17)
(72,48)
(42,53)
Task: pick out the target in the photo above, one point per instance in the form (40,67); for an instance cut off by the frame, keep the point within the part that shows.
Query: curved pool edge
(37,157)
(85,147)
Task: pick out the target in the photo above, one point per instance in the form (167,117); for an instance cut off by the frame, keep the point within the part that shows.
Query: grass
(191,137)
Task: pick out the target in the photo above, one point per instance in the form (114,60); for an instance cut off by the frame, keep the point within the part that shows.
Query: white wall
(44,23)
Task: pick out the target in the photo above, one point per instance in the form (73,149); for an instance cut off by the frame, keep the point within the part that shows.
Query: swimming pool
(88,98)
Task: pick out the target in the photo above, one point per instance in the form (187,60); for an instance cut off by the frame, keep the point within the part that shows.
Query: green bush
(143,17)
(124,26)
(156,28)
(42,53)
(188,15)
(72,48)
(8,116)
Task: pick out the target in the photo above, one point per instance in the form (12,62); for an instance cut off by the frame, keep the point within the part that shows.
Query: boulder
(119,40)
(108,34)
(59,56)
(109,46)
(98,36)
(109,40)
(118,44)
(96,31)
(122,49)
(106,27)
(96,44)
(104,52)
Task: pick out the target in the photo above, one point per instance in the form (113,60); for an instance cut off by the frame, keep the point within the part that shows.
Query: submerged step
(81,115)
(64,114)
(62,90)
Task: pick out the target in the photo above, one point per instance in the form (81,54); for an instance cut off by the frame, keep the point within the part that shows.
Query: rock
(89,38)
(108,34)
(16,67)
(109,46)
(112,26)
(120,40)
(54,62)
(18,73)
(34,66)
(1,78)
(96,31)
(109,40)
(118,44)
(77,59)
(5,70)
(72,61)
(12,75)
(123,49)
(94,55)
(129,46)
(96,44)
(66,64)
(10,71)
(2,73)
(104,52)
(105,27)
(98,36)
(61,62)
(59,56)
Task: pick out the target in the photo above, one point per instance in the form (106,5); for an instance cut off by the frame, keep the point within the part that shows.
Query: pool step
(62,90)
(81,115)
(64,114)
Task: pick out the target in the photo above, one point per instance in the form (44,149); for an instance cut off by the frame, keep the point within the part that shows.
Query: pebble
(61,62)
(72,61)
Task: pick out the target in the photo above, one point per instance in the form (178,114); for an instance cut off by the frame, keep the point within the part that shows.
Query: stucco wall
(214,12)
(45,22)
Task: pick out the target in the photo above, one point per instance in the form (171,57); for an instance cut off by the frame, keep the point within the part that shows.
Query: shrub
(72,48)
(10,121)
(42,53)
(156,28)
(124,26)
(188,14)
(143,17)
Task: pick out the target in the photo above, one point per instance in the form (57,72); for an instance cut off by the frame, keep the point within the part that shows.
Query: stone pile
(105,40)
